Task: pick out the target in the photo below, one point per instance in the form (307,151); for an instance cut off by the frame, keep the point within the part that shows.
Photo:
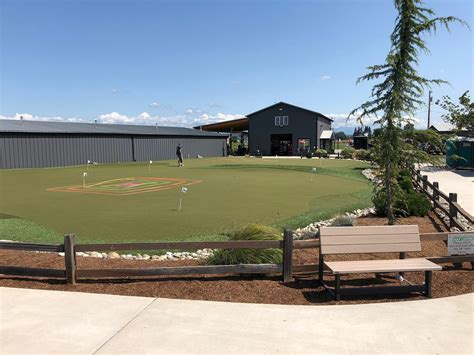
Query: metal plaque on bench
(461,244)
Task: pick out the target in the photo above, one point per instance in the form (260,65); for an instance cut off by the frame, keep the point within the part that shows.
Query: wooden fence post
(288,256)
(425,182)
(70,258)
(453,212)
(435,191)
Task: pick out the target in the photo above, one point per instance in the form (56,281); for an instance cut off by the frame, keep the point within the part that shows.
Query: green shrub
(363,154)
(406,184)
(343,221)
(249,256)
(321,153)
(379,200)
(418,204)
(308,154)
(405,203)
(348,153)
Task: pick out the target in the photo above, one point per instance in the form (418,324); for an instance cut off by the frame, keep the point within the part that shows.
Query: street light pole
(429,108)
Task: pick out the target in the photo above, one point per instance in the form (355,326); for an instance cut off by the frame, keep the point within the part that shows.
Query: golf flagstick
(183,191)
(313,171)
(149,166)
(84,175)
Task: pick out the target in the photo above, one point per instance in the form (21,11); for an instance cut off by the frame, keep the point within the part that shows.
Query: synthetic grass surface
(233,192)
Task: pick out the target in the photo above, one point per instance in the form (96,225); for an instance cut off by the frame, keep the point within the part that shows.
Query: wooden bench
(380,239)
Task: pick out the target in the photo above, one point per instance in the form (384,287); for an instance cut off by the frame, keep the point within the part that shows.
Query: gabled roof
(287,104)
(18,126)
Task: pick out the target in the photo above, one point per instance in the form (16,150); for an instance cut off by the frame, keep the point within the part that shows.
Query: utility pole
(429,108)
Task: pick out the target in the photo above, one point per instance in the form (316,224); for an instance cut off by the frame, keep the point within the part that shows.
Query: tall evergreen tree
(399,94)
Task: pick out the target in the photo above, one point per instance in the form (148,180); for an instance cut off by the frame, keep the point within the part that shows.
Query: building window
(282,121)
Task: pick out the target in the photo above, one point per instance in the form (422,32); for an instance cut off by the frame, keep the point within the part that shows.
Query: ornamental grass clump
(343,221)
(249,256)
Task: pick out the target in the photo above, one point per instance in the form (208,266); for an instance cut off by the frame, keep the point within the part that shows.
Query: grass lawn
(223,194)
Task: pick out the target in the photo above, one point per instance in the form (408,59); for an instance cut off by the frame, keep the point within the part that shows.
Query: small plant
(348,153)
(343,221)
(308,154)
(321,153)
(406,203)
(362,154)
(418,204)
(249,256)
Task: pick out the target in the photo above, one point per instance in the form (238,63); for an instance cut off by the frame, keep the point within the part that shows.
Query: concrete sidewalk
(458,181)
(36,321)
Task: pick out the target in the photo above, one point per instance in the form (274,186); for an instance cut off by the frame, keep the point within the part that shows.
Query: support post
(435,191)
(402,256)
(288,256)
(337,288)
(321,266)
(418,175)
(70,258)
(425,182)
(453,213)
(428,278)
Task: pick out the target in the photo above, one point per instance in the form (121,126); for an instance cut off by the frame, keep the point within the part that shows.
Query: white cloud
(219,117)
(340,120)
(181,120)
(25,116)
(30,117)
(115,117)
(325,77)
(189,111)
(155,104)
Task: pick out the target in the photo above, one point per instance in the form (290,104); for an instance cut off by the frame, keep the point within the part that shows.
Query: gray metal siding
(19,150)
(302,124)
(48,150)
(161,148)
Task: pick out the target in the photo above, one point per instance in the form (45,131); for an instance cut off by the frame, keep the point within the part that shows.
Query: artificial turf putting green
(231,192)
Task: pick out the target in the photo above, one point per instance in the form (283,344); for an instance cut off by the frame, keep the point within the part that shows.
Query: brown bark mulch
(304,290)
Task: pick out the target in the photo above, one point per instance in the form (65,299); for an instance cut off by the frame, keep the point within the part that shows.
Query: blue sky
(190,62)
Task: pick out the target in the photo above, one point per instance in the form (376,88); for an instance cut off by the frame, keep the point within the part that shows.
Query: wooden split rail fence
(72,273)
(451,207)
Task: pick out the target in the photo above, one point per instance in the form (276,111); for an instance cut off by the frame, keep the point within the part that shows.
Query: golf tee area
(139,201)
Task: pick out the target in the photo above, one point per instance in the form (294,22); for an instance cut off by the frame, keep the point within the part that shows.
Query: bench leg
(337,289)
(402,256)
(428,278)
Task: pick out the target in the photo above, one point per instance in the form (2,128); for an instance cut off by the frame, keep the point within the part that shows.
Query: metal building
(280,129)
(35,144)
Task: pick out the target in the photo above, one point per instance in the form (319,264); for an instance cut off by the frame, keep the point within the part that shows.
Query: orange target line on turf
(127,186)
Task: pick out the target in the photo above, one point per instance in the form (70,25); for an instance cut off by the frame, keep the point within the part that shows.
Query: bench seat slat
(370,248)
(373,266)
(371,239)
(367,230)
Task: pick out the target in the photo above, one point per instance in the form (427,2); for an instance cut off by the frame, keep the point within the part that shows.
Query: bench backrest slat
(369,239)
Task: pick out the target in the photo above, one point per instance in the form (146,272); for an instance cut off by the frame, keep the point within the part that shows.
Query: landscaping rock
(113,255)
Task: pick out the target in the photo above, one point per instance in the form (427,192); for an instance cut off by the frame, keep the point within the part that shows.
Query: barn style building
(35,144)
(280,129)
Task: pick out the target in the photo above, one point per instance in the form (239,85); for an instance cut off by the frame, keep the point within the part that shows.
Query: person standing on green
(179,154)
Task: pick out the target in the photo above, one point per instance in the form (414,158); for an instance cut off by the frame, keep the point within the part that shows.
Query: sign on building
(461,244)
